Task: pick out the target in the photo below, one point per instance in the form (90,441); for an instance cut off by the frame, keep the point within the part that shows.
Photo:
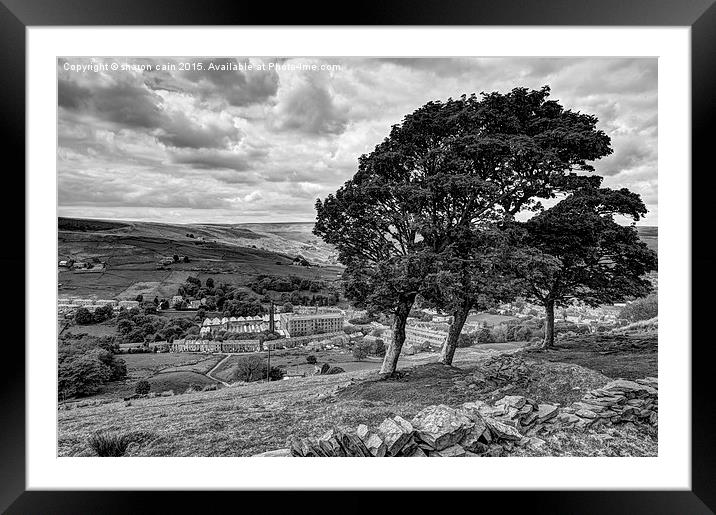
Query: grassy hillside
(249,418)
(133,249)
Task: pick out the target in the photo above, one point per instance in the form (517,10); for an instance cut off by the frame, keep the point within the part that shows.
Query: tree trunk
(548,341)
(392,353)
(459,316)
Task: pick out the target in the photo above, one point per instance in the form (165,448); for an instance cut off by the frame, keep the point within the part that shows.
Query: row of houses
(71,304)
(215,346)
(289,325)
(240,346)
(256,324)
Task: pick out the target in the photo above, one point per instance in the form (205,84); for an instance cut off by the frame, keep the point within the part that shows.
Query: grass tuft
(113,444)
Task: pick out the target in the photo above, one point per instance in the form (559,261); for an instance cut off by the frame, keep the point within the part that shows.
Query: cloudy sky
(261,143)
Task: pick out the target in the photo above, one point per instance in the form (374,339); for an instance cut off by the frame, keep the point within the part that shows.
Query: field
(231,254)
(605,354)
(249,418)
(164,371)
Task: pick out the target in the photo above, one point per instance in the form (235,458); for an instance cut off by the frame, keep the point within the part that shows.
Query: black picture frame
(699,15)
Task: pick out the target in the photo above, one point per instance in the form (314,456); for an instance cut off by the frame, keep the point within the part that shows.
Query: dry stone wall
(481,429)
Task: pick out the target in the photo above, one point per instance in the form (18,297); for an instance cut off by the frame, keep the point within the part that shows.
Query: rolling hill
(230,253)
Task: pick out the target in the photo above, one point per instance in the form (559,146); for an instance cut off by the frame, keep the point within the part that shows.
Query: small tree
(83,316)
(311,359)
(175,257)
(360,351)
(576,250)
(250,368)
(142,387)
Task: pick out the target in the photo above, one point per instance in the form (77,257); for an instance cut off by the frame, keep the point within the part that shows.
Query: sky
(249,140)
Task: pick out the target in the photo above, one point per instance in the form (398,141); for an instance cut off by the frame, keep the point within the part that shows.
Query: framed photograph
(428,232)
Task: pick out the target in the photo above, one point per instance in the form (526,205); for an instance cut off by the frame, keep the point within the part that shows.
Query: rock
(168,393)
(418,453)
(278,453)
(472,409)
(362,432)
(585,413)
(475,440)
(328,443)
(294,445)
(546,412)
(536,443)
(623,385)
(409,448)
(502,431)
(441,426)
(395,433)
(529,419)
(567,419)
(513,401)
(352,445)
(525,410)
(454,451)
(375,445)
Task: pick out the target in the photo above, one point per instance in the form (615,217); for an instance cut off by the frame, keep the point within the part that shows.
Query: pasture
(164,371)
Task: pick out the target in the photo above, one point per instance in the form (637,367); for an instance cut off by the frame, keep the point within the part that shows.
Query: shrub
(107,444)
(276,373)
(641,309)
(466,340)
(142,387)
(311,359)
(484,335)
(379,349)
(335,370)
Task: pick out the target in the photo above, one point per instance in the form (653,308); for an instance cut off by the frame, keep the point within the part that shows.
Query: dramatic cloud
(236,139)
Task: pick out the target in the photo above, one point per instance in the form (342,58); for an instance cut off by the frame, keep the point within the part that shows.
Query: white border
(671,469)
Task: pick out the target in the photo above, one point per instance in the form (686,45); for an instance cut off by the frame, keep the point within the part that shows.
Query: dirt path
(208,374)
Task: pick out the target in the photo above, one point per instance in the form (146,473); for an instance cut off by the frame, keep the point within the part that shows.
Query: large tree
(519,148)
(472,273)
(577,251)
(448,167)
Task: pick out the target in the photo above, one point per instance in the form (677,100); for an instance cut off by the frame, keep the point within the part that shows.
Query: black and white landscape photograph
(357,257)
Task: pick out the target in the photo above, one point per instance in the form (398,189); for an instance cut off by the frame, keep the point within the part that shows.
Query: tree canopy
(446,168)
(577,251)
